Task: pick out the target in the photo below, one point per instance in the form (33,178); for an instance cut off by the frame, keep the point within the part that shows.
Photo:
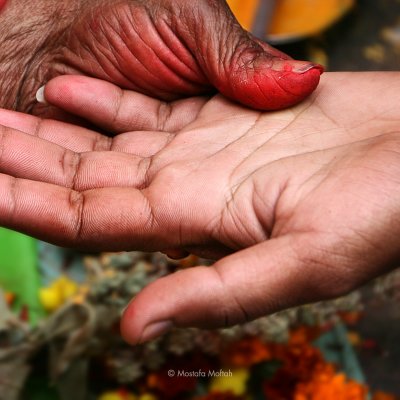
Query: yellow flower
(117,395)
(147,396)
(57,293)
(66,286)
(235,383)
(50,298)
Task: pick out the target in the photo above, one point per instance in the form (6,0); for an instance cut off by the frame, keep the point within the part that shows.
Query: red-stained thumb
(269,83)
(2,4)
(244,68)
(259,76)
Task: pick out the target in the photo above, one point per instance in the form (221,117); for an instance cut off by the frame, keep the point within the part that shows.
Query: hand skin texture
(167,49)
(297,205)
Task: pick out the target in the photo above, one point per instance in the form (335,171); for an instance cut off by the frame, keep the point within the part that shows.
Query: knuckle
(163,115)
(102,143)
(12,190)
(76,204)
(71,165)
(4,132)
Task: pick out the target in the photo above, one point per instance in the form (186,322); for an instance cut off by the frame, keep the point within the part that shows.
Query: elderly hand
(167,49)
(298,205)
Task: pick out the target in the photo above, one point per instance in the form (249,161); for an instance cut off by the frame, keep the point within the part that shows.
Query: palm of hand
(306,200)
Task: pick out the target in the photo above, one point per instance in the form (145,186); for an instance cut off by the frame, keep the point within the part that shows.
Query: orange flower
(10,297)
(305,375)
(304,335)
(384,396)
(327,385)
(246,352)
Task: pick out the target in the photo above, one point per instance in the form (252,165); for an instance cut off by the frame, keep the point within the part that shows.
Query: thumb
(253,282)
(244,68)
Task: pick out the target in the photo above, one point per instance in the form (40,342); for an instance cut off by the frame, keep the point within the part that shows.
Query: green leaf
(19,272)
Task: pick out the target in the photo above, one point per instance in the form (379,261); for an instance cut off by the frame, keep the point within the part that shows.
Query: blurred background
(59,310)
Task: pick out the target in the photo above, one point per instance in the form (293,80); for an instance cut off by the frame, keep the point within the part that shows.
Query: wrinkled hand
(301,205)
(166,49)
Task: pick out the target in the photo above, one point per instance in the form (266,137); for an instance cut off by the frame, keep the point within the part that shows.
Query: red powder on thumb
(2,4)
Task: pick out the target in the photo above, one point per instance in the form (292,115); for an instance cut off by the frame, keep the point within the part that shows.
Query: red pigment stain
(2,4)
(273,90)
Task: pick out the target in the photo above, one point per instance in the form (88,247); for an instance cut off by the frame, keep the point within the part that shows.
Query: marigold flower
(246,352)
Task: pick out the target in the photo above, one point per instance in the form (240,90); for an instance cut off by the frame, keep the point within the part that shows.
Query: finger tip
(135,329)
(130,327)
(290,88)
(285,84)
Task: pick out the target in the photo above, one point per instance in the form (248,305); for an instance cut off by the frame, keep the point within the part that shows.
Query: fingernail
(40,96)
(155,330)
(302,69)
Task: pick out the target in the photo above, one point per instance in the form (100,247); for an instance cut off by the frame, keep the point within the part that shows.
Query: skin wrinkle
(164,113)
(278,79)
(138,35)
(196,71)
(232,299)
(327,116)
(77,205)
(177,74)
(101,61)
(144,168)
(109,64)
(12,197)
(332,265)
(71,165)
(38,127)
(103,143)
(117,108)
(236,141)
(267,226)
(145,86)
(152,220)
(3,132)
(255,234)
(183,80)
(103,25)
(253,151)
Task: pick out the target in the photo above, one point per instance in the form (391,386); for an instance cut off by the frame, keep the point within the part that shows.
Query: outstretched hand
(298,205)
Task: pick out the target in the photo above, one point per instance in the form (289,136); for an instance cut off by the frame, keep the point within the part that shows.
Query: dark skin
(166,49)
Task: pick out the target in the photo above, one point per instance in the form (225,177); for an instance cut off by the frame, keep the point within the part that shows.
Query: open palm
(299,205)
